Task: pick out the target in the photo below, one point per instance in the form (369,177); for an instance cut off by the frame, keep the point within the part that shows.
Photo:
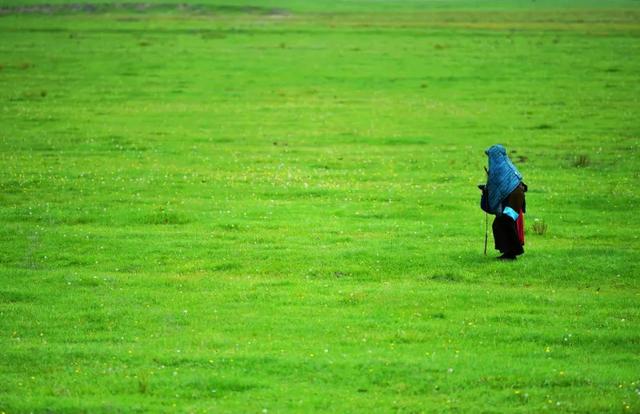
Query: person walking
(504,197)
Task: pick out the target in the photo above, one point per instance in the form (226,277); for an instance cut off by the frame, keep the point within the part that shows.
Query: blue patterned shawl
(503,178)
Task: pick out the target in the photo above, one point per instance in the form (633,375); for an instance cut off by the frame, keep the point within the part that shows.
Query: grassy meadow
(271,206)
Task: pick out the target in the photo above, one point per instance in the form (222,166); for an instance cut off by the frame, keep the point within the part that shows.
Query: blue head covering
(503,178)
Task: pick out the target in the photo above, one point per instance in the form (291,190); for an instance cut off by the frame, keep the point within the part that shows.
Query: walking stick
(486,219)
(486,231)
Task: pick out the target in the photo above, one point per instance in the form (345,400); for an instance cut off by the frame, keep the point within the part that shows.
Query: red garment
(520,227)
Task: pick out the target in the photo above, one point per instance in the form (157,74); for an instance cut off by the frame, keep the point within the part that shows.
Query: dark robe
(505,230)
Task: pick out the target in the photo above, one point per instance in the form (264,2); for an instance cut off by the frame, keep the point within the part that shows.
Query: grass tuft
(539,227)
(581,161)
(165,216)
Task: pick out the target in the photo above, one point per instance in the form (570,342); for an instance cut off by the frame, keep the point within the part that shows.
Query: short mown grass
(273,207)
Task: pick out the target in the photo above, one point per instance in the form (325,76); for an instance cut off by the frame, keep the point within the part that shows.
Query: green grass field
(271,206)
